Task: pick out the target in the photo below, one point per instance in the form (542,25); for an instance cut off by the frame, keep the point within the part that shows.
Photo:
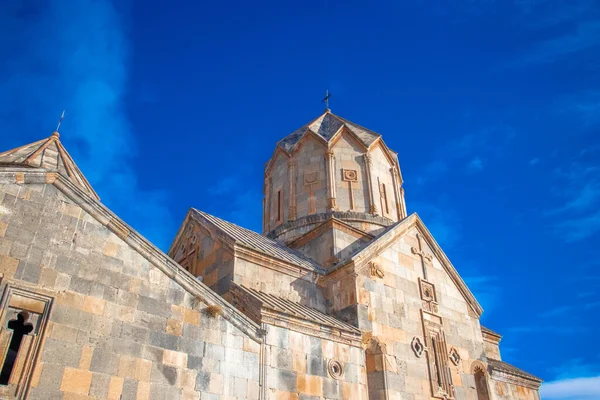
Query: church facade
(342,296)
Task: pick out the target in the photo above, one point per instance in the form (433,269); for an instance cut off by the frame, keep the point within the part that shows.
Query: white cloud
(572,389)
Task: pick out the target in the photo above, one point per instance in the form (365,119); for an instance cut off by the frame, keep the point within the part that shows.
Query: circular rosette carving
(335,369)
(417,346)
(350,175)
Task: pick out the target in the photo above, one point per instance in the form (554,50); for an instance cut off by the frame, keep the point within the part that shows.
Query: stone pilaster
(330,171)
(267,213)
(372,206)
(399,193)
(292,181)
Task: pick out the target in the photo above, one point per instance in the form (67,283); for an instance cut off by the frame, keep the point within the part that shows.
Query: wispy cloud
(584,37)
(76,56)
(584,107)
(577,217)
(485,288)
(469,152)
(534,161)
(564,310)
(547,328)
(572,389)
(475,165)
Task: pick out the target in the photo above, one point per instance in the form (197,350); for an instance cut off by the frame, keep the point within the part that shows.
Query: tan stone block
(278,395)
(76,396)
(177,312)
(126,314)
(110,249)
(143,369)
(143,391)
(216,383)
(251,346)
(72,300)
(3,226)
(191,317)
(8,266)
(115,388)
(190,395)
(62,332)
(93,305)
(175,358)
(135,284)
(174,327)
(187,378)
(86,357)
(37,372)
(299,362)
(309,384)
(127,366)
(253,390)
(76,381)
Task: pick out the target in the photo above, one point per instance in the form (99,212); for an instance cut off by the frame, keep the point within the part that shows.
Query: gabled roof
(253,240)
(388,238)
(50,155)
(326,126)
(490,332)
(298,310)
(138,243)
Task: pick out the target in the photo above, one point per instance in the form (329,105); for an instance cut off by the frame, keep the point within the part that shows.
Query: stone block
(76,381)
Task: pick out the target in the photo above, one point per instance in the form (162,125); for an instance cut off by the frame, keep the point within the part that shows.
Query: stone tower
(335,180)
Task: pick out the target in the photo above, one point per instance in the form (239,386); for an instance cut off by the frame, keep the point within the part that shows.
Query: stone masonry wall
(118,325)
(508,391)
(348,155)
(297,367)
(394,318)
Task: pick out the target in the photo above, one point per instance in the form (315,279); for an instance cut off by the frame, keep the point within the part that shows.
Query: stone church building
(342,296)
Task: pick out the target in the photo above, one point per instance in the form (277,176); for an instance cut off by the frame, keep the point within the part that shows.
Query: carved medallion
(417,346)
(349,175)
(335,369)
(376,270)
(310,178)
(454,356)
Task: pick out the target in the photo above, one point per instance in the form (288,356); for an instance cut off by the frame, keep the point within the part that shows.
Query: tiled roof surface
(511,369)
(326,126)
(260,243)
(298,310)
(49,154)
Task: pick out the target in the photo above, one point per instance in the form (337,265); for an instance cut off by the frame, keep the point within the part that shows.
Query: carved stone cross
(424,256)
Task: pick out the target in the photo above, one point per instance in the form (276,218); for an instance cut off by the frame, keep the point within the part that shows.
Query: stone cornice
(323,217)
(507,377)
(146,249)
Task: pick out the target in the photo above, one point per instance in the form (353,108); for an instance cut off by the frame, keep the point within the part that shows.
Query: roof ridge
(271,247)
(49,154)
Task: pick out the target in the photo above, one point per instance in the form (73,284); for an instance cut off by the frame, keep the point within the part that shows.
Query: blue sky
(493,107)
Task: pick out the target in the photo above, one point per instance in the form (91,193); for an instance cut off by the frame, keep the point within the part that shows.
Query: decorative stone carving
(310,178)
(454,356)
(417,346)
(376,270)
(335,369)
(424,256)
(349,175)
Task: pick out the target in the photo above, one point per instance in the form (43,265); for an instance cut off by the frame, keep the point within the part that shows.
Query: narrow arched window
(481,384)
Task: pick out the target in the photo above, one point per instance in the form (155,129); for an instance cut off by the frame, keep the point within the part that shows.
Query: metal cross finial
(61,120)
(326,100)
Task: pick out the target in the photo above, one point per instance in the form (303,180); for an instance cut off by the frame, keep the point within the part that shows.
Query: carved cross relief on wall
(350,176)
(311,179)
